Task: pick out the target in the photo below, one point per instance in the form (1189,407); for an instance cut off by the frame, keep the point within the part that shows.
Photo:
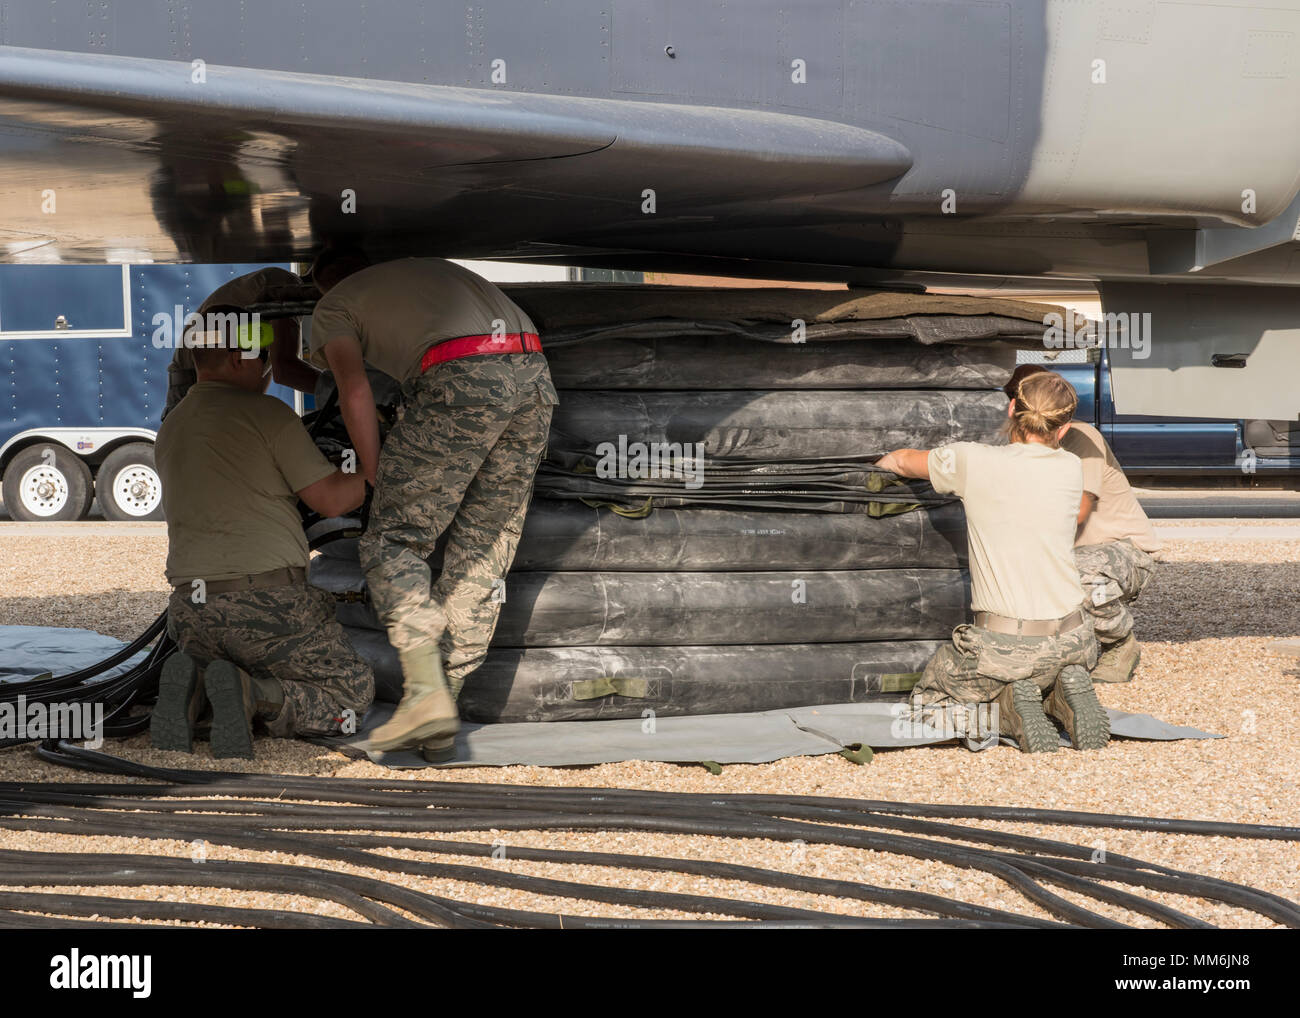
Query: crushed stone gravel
(1206,624)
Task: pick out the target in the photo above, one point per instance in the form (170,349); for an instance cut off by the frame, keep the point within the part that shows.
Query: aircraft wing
(228,167)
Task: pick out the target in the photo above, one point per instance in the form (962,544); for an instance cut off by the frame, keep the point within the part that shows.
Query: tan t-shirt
(1022,505)
(399,309)
(251,288)
(230,461)
(1118,514)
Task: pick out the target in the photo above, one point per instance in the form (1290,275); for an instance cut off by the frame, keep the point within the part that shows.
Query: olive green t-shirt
(251,288)
(399,309)
(1022,506)
(1118,514)
(230,461)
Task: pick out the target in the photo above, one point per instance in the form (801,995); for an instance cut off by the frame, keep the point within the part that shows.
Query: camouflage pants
(285,633)
(1113,574)
(461,459)
(979,664)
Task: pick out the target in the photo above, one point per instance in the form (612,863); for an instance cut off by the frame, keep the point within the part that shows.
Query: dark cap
(1019,375)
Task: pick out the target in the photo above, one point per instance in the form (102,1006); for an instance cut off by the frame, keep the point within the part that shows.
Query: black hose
(246,784)
(352,890)
(188,911)
(322,818)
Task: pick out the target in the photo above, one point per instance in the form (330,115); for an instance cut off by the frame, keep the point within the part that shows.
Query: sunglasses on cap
(251,339)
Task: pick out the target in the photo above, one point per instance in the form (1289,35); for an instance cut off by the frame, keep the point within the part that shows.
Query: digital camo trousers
(462,460)
(979,664)
(285,633)
(1113,575)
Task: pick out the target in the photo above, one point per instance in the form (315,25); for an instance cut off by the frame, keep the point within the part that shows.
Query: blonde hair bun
(1043,403)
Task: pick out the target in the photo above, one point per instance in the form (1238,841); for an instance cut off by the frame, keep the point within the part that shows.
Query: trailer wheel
(128,486)
(47,482)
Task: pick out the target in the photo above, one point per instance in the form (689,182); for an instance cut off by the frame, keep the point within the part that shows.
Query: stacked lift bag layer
(792,576)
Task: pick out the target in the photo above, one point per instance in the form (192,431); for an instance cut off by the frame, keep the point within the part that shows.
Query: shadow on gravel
(1189,601)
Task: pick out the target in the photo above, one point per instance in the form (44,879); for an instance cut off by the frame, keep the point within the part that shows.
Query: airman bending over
(477,403)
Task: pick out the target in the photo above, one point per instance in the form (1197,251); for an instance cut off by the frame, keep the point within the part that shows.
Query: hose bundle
(319,821)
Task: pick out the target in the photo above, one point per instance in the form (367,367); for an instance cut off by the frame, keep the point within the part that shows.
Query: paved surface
(86,528)
(1184,504)
(1229,530)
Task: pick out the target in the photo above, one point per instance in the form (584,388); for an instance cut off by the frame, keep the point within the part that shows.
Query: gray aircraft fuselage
(1128,143)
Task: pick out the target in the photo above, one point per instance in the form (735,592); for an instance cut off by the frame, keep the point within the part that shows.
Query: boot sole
(1036,733)
(1074,703)
(440,751)
(231,735)
(431,733)
(169,725)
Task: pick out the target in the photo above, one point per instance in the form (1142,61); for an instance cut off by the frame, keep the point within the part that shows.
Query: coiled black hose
(354,822)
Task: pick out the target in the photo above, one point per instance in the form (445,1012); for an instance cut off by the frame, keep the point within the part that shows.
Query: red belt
(476,346)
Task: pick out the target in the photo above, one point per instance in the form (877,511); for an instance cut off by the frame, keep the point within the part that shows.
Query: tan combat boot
(1020,715)
(427,717)
(1073,702)
(237,700)
(181,699)
(1119,661)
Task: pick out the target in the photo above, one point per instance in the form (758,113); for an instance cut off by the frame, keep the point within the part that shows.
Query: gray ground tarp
(716,738)
(27,652)
(30,652)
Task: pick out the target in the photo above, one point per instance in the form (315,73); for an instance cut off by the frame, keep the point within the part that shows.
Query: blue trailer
(87,382)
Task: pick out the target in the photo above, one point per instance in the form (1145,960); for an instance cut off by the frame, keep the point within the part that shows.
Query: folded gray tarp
(27,652)
(737,362)
(636,484)
(724,609)
(759,737)
(572,314)
(777,426)
(570,535)
(583,683)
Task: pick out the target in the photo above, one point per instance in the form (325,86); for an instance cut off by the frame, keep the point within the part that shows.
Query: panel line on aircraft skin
(529,159)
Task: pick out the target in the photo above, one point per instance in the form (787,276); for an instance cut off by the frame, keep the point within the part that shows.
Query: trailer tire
(128,486)
(47,483)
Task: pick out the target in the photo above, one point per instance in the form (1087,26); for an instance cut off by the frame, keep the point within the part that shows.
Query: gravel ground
(114,585)
(1206,622)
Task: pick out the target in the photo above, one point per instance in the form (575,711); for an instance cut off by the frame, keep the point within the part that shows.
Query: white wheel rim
(43,490)
(137,490)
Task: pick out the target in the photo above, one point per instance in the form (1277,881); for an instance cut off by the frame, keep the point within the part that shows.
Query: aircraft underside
(1149,150)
